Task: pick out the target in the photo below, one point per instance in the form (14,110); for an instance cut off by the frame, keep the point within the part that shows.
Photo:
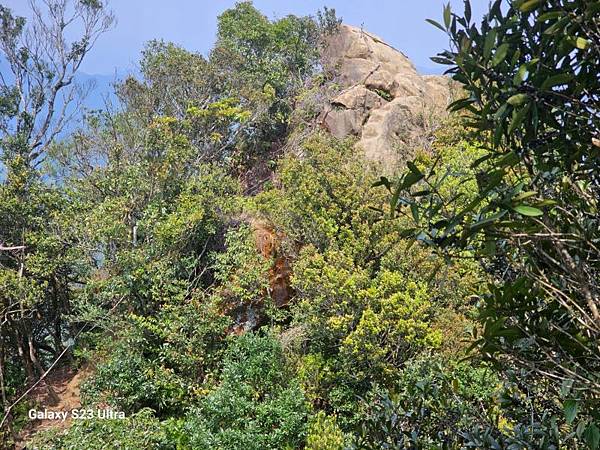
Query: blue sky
(192,24)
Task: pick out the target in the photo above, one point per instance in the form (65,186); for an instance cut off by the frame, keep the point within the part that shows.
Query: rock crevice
(382,101)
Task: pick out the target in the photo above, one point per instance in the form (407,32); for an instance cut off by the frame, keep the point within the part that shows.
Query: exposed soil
(268,244)
(66,383)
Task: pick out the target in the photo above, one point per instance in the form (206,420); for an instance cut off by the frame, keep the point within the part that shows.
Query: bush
(161,362)
(139,431)
(432,403)
(324,433)
(129,380)
(258,405)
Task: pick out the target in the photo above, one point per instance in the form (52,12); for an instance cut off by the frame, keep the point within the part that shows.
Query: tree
(43,64)
(258,405)
(529,74)
(236,104)
(36,267)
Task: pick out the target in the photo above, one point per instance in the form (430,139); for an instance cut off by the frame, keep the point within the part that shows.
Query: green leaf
(468,10)
(413,168)
(383,181)
(422,193)
(410,179)
(394,200)
(435,24)
(440,60)
(517,119)
(490,40)
(547,202)
(580,428)
(557,25)
(556,80)
(517,100)
(500,54)
(529,211)
(460,104)
(570,407)
(481,160)
(482,223)
(521,75)
(508,160)
(592,436)
(415,212)
(447,15)
(530,5)
(500,114)
(524,195)
(550,16)
(495,10)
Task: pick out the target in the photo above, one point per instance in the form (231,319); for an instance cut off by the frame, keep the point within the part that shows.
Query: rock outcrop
(383,100)
(250,316)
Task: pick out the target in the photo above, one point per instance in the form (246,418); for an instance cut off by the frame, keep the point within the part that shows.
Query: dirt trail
(66,383)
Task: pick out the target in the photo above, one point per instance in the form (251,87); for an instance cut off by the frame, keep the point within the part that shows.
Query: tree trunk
(2,385)
(25,358)
(56,334)
(51,393)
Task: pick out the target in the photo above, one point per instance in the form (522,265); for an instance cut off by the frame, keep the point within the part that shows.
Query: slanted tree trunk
(32,353)
(27,364)
(2,384)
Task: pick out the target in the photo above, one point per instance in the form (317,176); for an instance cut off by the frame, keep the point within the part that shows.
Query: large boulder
(383,100)
(347,111)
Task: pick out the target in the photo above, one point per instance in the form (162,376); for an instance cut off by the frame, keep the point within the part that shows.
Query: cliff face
(383,100)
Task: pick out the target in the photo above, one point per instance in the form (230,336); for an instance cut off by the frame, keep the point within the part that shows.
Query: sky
(192,24)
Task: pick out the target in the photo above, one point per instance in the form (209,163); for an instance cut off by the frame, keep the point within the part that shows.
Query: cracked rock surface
(382,99)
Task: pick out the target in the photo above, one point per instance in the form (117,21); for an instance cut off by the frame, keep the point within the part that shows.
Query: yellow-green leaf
(517,100)
(447,15)
(500,54)
(530,5)
(529,211)
(581,43)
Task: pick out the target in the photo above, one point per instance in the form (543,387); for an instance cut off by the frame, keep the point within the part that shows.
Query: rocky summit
(383,100)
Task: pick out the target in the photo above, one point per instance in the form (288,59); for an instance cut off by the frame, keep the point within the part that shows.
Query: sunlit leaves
(529,211)
(500,54)
(531,77)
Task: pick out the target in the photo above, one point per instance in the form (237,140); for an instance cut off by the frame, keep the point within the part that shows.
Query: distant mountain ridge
(102,90)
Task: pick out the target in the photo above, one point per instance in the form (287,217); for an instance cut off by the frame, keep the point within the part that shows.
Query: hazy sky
(192,24)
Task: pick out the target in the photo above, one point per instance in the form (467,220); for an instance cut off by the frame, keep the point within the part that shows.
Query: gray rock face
(348,110)
(383,100)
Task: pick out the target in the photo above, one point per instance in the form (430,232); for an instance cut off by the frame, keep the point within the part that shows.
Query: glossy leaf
(528,211)
(570,408)
(500,54)
(435,24)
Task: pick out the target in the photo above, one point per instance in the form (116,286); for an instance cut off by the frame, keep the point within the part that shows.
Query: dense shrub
(257,405)
(139,431)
